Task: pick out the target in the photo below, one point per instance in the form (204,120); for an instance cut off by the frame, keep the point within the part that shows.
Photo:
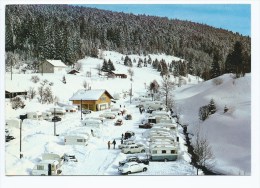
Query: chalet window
(163,151)
(79,140)
(154,151)
(172,151)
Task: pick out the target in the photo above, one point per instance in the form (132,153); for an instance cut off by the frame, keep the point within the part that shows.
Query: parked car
(128,117)
(86,111)
(132,167)
(126,143)
(134,159)
(56,119)
(69,158)
(108,115)
(134,148)
(128,134)
(119,122)
(146,126)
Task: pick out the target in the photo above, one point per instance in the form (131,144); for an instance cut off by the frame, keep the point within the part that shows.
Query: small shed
(52,66)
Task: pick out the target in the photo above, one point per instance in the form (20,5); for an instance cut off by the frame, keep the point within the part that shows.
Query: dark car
(128,117)
(70,158)
(128,135)
(86,111)
(119,122)
(134,159)
(146,126)
(56,119)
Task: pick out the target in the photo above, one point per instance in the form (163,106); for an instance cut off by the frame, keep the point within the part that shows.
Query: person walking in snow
(114,143)
(108,144)
(122,141)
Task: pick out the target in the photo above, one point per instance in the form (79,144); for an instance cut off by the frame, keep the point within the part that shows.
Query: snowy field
(229,134)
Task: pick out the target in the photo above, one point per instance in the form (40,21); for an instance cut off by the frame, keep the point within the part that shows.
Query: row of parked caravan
(162,135)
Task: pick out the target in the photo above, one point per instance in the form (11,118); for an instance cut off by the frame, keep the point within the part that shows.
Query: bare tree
(204,156)
(41,93)
(166,89)
(154,88)
(31,93)
(131,73)
(99,69)
(47,95)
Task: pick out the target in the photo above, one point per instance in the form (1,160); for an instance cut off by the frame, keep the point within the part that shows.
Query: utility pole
(21,155)
(54,122)
(81,109)
(22,117)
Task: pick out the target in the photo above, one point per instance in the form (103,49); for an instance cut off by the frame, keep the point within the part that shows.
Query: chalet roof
(56,63)
(89,94)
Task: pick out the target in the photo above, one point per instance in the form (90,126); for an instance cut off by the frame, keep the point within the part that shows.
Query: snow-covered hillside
(229,133)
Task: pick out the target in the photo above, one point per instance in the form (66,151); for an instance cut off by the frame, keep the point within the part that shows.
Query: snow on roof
(56,63)
(88,94)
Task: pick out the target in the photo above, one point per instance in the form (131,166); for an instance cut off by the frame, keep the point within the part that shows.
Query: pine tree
(215,69)
(104,67)
(212,107)
(110,66)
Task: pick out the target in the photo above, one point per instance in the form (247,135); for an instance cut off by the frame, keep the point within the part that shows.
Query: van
(163,153)
(75,140)
(47,168)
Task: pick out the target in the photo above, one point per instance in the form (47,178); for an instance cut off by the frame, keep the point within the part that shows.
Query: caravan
(75,140)
(34,115)
(13,122)
(165,153)
(47,167)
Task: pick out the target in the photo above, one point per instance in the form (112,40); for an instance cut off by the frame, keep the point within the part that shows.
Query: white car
(125,143)
(132,167)
(108,115)
(134,148)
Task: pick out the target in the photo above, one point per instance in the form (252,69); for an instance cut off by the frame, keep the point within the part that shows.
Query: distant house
(94,100)
(117,75)
(9,94)
(52,66)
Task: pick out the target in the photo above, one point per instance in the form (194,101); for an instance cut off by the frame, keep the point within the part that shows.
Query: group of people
(109,143)
(114,142)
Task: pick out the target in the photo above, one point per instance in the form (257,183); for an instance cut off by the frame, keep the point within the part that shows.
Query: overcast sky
(233,17)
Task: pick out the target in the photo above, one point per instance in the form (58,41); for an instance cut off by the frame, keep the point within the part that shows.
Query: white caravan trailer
(163,153)
(171,126)
(47,168)
(52,156)
(76,140)
(58,111)
(13,123)
(47,115)
(92,123)
(34,115)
